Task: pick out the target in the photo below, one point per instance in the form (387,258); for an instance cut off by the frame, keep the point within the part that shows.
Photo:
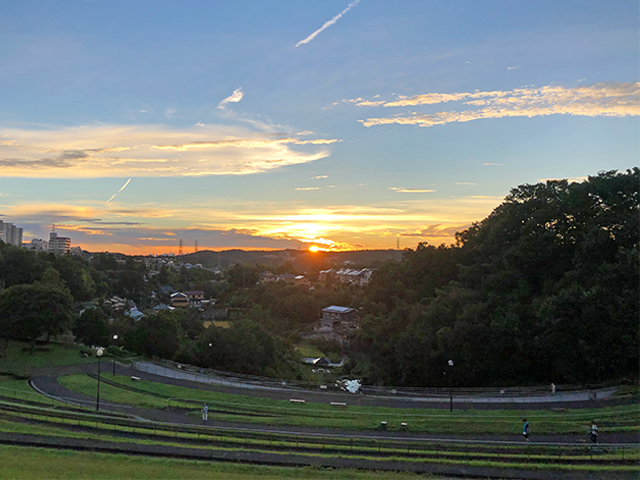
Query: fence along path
(533,394)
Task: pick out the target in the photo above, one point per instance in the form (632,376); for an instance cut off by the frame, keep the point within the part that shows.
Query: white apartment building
(59,245)
(37,245)
(10,234)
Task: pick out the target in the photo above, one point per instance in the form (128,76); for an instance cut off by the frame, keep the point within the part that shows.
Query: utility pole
(180,247)
(196,246)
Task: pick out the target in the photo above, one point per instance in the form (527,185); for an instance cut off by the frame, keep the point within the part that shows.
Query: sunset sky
(280,124)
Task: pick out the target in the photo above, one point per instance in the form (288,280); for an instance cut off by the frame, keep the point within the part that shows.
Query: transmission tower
(180,247)
(196,246)
(398,243)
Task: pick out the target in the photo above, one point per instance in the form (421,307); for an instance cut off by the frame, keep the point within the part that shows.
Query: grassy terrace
(20,361)
(24,411)
(30,463)
(40,421)
(238,408)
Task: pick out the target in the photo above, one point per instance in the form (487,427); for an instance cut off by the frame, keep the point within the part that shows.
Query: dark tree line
(545,289)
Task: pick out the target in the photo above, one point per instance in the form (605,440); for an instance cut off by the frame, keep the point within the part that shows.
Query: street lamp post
(99,355)
(450,363)
(115,337)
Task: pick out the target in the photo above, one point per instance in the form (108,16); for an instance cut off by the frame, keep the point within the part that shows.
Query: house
(318,362)
(286,277)
(347,275)
(267,276)
(195,297)
(335,316)
(167,290)
(179,299)
(324,275)
(116,303)
(163,306)
(302,281)
(134,313)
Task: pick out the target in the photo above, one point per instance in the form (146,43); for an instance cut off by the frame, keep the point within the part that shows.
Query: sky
(269,125)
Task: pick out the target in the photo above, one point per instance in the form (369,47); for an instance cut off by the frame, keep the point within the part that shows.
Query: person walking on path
(525,429)
(593,432)
(205,412)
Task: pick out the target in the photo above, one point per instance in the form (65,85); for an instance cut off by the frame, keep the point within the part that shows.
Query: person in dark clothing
(593,432)
(525,429)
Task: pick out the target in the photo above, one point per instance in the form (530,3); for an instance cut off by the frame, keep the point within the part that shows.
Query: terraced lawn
(38,463)
(267,411)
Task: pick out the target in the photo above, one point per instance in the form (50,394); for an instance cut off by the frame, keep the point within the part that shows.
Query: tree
(19,266)
(155,335)
(92,327)
(28,312)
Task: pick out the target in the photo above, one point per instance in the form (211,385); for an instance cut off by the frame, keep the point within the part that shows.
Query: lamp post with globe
(113,359)
(450,363)
(99,355)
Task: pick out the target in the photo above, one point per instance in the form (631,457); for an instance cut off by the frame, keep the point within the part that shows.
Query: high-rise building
(59,245)
(10,234)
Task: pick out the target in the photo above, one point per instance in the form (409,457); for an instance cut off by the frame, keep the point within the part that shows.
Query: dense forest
(545,289)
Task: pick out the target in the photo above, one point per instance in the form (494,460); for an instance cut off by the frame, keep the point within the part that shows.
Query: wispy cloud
(307,188)
(493,165)
(235,97)
(319,177)
(611,99)
(327,24)
(465,183)
(410,190)
(121,189)
(136,151)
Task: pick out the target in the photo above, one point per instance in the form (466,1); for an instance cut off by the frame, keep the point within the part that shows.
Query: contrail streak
(328,24)
(122,188)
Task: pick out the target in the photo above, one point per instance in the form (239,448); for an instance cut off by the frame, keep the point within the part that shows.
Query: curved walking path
(401,398)
(46,383)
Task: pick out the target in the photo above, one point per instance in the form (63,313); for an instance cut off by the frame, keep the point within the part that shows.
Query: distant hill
(301,260)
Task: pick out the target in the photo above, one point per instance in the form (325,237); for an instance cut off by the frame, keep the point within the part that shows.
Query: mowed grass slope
(239,408)
(20,361)
(38,463)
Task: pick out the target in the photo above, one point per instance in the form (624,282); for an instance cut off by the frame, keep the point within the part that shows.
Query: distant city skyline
(274,125)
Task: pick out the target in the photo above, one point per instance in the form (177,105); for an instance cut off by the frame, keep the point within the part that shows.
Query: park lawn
(13,384)
(308,351)
(36,463)
(86,385)
(267,411)
(39,463)
(19,362)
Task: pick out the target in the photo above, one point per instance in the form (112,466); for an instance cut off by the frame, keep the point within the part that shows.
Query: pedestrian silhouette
(525,429)
(593,432)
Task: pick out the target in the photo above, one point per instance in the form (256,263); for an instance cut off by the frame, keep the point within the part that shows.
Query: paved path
(464,398)
(46,382)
